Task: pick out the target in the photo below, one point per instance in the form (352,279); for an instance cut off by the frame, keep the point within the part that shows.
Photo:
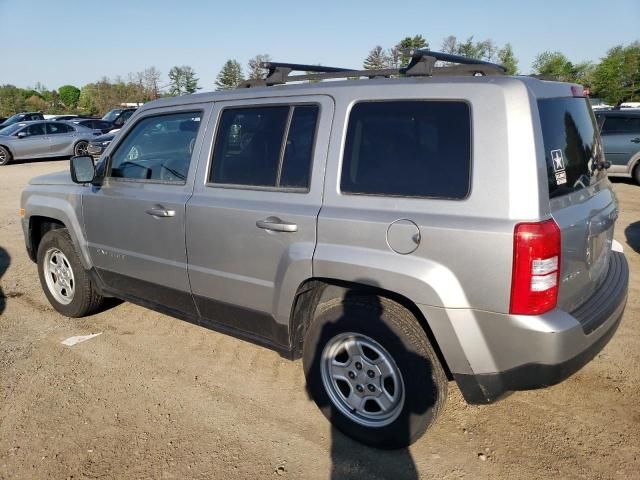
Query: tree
(230,76)
(182,80)
(508,60)
(553,64)
(151,81)
(407,45)
(617,77)
(11,100)
(69,96)
(377,59)
(256,72)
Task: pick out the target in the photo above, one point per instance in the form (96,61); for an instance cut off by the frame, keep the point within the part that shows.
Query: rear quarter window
(571,143)
(408,149)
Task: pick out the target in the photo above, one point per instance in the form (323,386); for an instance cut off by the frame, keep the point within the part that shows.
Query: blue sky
(79,41)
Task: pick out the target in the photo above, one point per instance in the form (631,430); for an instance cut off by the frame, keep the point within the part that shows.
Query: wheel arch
(314,292)
(39,226)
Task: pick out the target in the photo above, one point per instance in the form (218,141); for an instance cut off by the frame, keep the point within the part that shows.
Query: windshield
(13,119)
(571,143)
(11,129)
(112,115)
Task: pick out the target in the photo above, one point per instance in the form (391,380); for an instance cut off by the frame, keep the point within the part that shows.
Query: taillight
(536,268)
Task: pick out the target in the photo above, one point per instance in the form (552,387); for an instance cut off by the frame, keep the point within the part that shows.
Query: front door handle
(276,225)
(160,212)
(636,140)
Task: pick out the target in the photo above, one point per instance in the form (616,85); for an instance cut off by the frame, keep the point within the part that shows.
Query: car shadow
(5,260)
(632,233)
(36,160)
(628,181)
(351,459)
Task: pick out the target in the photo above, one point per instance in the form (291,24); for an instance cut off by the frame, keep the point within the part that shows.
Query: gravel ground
(154,397)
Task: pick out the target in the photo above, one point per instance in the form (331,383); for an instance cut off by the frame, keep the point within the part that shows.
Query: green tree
(69,96)
(617,77)
(230,76)
(256,72)
(508,60)
(377,59)
(11,100)
(182,80)
(407,45)
(554,65)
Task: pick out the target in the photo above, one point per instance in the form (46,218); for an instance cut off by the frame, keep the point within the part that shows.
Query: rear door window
(571,143)
(408,149)
(622,124)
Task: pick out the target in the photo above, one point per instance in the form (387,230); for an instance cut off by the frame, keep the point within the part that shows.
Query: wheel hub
(59,276)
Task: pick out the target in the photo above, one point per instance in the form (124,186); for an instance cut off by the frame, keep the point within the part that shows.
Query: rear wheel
(65,282)
(372,371)
(80,148)
(5,156)
(636,173)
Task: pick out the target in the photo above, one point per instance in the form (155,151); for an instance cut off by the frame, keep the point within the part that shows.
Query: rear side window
(409,149)
(265,146)
(622,125)
(571,143)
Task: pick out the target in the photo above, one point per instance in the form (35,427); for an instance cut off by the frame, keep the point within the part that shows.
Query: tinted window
(571,143)
(157,148)
(249,147)
(55,128)
(37,129)
(621,125)
(408,148)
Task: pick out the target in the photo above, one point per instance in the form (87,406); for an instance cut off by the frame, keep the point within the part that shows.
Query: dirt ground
(155,397)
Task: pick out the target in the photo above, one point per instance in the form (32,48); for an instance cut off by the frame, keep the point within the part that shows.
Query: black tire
(86,299)
(395,329)
(5,156)
(80,148)
(636,173)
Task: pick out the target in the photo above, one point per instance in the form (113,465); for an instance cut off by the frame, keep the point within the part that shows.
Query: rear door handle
(276,225)
(160,212)
(636,140)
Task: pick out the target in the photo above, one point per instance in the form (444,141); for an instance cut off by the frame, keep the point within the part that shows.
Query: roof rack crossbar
(422,64)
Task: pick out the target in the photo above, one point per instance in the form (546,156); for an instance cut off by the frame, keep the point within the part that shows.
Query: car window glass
(56,128)
(249,148)
(157,148)
(621,124)
(409,149)
(296,165)
(37,129)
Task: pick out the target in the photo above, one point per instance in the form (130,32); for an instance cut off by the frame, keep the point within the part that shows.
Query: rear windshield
(571,143)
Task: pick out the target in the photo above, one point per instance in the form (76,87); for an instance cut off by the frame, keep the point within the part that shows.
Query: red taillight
(536,268)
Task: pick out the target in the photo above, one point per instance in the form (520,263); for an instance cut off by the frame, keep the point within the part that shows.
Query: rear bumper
(515,352)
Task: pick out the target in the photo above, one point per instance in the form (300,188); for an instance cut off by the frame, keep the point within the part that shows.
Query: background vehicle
(93,124)
(58,118)
(42,139)
(620,132)
(118,116)
(393,233)
(99,144)
(22,117)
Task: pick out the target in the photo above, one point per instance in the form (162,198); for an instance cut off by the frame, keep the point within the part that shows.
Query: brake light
(578,91)
(536,268)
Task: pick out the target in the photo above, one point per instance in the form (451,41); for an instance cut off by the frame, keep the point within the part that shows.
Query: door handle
(276,225)
(636,140)
(160,212)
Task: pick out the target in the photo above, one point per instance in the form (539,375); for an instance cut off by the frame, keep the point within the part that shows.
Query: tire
(368,326)
(5,156)
(80,148)
(66,271)
(636,173)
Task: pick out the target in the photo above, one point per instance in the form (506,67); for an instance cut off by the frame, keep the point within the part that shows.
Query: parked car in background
(99,145)
(58,118)
(2,119)
(41,139)
(22,117)
(118,116)
(93,124)
(620,132)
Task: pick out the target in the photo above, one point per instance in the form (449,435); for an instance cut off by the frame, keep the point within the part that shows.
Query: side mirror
(83,169)
(22,135)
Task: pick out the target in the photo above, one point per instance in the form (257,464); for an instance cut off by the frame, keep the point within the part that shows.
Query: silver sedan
(40,139)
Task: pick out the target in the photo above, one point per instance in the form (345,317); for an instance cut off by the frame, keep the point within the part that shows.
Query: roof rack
(422,64)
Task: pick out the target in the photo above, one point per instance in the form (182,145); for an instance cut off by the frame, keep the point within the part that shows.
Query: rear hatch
(581,199)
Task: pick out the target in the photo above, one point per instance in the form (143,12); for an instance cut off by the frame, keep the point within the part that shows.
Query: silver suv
(396,232)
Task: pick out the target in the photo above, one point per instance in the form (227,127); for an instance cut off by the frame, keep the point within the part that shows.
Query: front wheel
(372,371)
(80,148)
(636,173)
(65,282)
(5,156)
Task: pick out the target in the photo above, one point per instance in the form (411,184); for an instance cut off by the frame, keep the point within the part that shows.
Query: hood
(107,137)
(57,178)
